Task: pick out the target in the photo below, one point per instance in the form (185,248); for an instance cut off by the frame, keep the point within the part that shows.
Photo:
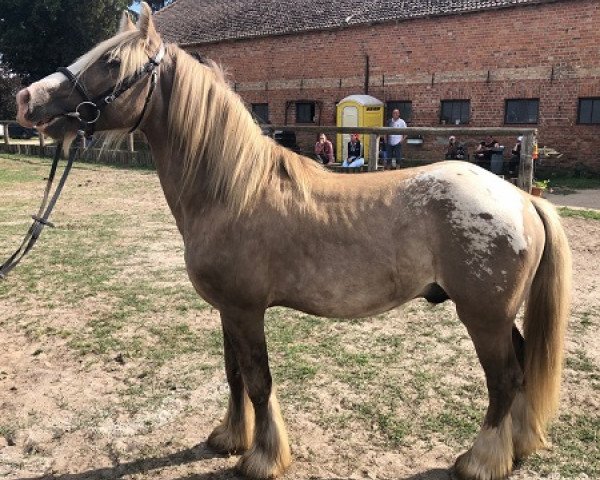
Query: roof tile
(206,21)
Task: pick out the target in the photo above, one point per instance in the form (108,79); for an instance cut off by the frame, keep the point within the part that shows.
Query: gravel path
(576,198)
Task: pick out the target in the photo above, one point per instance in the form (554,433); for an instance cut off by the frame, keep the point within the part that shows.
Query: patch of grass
(8,431)
(458,421)
(172,341)
(581,321)
(580,361)
(9,176)
(394,428)
(79,165)
(575,183)
(579,213)
(576,447)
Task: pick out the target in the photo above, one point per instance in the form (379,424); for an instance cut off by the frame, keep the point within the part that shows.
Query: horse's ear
(145,23)
(126,25)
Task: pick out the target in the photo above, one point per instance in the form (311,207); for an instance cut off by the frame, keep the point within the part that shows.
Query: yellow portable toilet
(357,111)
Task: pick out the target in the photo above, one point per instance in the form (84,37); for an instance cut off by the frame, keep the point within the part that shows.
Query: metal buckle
(42,221)
(82,118)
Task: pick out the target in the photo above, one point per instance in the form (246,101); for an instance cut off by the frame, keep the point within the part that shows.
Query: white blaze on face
(483,207)
(41,90)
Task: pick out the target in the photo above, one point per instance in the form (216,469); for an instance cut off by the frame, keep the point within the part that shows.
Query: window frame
(519,121)
(313,107)
(256,116)
(401,105)
(462,102)
(590,99)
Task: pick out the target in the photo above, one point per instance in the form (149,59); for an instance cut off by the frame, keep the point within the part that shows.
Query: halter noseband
(88,112)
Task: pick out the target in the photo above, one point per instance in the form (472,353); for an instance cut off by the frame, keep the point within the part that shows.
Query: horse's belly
(363,290)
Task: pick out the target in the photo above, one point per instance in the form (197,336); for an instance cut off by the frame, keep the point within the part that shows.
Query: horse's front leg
(269,454)
(234,434)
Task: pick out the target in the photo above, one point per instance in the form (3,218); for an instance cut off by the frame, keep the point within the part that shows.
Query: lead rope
(41,219)
(87,126)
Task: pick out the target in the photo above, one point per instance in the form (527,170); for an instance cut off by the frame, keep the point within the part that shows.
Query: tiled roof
(205,21)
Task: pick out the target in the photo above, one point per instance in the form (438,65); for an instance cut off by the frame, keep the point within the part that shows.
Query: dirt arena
(111,366)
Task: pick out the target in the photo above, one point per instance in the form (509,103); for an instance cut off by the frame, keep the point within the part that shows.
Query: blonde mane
(214,129)
(210,124)
(130,48)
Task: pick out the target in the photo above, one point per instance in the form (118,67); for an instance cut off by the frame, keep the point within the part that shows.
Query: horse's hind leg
(269,454)
(234,434)
(491,456)
(527,435)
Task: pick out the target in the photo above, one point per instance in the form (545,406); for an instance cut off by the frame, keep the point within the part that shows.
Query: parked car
(17,131)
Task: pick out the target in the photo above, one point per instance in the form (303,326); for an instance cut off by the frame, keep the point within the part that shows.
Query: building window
(404,106)
(260,111)
(455,112)
(589,111)
(522,110)
(305,112)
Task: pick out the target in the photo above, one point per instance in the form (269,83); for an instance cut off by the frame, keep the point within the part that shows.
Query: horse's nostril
(23,97)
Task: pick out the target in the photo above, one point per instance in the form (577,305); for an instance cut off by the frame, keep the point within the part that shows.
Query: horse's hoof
(259,465)
(467,467)
(223,440)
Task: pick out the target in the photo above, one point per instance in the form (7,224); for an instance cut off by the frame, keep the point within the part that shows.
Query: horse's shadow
(142,466)
(194,454)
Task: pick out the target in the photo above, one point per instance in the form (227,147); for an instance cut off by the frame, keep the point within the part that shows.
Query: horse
(263,226)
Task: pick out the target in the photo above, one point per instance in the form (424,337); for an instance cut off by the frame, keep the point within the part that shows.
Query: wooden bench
(337,167)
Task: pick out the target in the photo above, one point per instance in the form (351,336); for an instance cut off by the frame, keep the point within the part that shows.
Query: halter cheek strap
(88,112)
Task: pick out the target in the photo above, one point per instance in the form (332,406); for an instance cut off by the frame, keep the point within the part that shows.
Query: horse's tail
(546,315)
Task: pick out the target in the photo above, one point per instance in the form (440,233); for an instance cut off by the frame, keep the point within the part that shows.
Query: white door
(349,119)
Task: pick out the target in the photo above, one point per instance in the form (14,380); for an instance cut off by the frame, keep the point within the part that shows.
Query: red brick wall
(550,52)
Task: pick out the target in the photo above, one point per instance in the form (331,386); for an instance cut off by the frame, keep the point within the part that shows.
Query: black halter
(87,113)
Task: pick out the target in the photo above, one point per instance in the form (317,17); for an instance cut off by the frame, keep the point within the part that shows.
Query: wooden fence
(131,157)
(128,157)
(525,177)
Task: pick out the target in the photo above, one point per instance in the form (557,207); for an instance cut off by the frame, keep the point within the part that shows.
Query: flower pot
(537,191)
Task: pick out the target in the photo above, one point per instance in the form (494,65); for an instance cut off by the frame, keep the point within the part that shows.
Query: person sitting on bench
(355,158)
(324,150)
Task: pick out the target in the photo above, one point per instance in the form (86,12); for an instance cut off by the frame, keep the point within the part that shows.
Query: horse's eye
(113,62)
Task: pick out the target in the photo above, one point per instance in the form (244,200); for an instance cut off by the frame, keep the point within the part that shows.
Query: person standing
(324,150)
(452,148)
(394,142)
(515,159)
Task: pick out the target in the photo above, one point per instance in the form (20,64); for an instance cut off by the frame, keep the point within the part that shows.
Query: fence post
(42,144)
(130,143)
(526,165)
(81,147)
(373,151)
(6,134)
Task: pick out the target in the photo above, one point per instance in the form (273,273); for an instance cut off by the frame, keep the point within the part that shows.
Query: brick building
(534,63)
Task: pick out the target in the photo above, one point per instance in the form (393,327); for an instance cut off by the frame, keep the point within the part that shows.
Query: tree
(38,36)
(9,86)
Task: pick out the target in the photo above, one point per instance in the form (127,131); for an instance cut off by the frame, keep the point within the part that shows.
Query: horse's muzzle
(23,98)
